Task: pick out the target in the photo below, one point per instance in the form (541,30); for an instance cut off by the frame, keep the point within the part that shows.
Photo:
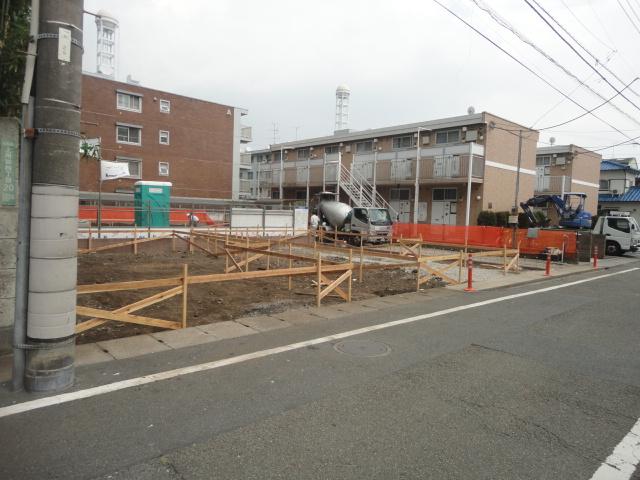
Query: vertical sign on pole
(8,173)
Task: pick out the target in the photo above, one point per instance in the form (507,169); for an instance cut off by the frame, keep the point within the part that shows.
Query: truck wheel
(613,248)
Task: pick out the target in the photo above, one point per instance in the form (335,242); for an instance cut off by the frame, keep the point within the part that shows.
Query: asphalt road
(537,387)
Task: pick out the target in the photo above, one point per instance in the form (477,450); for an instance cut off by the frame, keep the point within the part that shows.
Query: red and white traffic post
(469,275)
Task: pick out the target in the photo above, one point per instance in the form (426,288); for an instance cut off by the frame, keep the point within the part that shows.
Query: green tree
(15,17)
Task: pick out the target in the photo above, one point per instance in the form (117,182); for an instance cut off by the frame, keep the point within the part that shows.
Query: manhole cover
(362,348)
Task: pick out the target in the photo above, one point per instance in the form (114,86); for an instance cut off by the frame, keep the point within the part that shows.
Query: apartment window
(135,166)
(128,101)
(165,106)
(129,134)
(440,194)
(163,169)
(406,141)
(363,147)
(331,149)
(543,160)
(604,184)
(303,153)
(164,137)
(448,136)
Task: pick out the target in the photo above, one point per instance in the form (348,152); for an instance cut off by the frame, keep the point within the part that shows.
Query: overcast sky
(404,60)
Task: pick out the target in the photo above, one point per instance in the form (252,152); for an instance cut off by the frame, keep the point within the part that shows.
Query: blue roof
(631,195)
(606,165)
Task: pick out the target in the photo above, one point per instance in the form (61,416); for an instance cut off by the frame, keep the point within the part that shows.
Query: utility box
(152,202)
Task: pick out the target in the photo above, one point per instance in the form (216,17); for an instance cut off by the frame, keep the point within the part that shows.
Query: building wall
(200,153)
(619,180)
(501,147)
(585,176)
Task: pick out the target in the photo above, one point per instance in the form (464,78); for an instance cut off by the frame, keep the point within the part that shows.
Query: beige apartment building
(568,168)
(379,167)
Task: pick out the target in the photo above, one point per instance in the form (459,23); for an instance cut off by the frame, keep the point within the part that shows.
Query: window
(303,153)
(407,141)
(163,169)
(440,194)
(128,101)
(361,214)
(449,136)
(128,134)
(543,161)
(621,224)
(363,147)
(604,184)
(165,106)
(135,166)
(108,34)
(399,194)
(331,149)
(164,137)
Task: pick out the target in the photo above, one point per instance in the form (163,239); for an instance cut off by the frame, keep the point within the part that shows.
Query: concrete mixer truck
(373,222)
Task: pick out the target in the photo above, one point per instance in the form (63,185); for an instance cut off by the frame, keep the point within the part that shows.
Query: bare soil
(212,302)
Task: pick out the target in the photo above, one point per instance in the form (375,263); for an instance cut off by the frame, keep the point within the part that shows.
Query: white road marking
(156,377)
(622,463)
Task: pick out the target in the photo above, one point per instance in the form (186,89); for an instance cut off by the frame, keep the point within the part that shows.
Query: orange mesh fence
(126,215)
(491,237)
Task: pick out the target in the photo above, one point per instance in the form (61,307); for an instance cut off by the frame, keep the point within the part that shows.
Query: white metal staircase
(360,191)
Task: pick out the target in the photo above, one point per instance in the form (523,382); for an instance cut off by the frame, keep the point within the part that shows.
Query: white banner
(113,170)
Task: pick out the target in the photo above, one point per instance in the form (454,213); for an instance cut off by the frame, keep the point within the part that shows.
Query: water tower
(342,107)
(106,48)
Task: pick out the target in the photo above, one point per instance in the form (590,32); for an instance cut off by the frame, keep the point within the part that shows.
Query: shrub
(502,219)
(487,218)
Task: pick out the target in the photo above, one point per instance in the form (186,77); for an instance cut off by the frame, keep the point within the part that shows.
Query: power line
(505,24)
(526,67)
(588,52)
(589,111)
(633,10)
(629,17)
(585,27)
(578,53)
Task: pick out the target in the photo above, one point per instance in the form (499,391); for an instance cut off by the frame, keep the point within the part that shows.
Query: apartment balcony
(245,134)
(549,185)
(245,185)
(388,171)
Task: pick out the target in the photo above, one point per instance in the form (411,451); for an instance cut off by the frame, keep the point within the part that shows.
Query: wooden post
(361,273)
(90,235)
(185,283)
(191,240)
(350,279)
(319,279)
(268,254)
(135,240)
(335,236)
(226,257)
(290,266)
(173,241)
(460,267)
(215,245)
(504,256)
(418,276)
(246,253)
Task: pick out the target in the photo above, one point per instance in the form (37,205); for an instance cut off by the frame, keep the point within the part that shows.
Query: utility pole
(51,316)
(515,201)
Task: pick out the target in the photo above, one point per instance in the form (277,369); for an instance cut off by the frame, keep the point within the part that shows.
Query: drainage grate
(362,348)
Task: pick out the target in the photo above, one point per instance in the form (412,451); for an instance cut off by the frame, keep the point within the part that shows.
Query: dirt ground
(212,302)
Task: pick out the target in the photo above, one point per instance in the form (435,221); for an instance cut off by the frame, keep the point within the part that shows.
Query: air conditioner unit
(471,135)
(561,161)
(347,149)
(425,140)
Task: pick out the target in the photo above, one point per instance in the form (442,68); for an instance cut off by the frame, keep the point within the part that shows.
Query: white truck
(621,231)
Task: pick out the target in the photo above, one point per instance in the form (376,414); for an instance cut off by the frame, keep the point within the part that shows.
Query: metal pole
(308,172)
(281,172)
(51,315)
(24,210)
(375,167)
(99,215)
(324,168)
(416,192)
(515,201)
(338,176)
(468,209)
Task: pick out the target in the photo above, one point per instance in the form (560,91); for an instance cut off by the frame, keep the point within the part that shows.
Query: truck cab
(374,222)
(621,231)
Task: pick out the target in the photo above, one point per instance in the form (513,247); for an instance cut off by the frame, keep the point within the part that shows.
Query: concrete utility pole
(51,314)
(515,201)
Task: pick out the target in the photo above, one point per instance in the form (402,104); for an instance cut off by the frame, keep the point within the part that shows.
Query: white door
(444,206)
(403,209)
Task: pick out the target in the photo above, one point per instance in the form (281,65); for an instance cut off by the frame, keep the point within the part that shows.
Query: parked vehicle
(570,208)
(621,231)
(373,222)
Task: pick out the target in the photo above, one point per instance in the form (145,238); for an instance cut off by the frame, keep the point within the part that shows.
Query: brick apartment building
(568,168)
(194,144)
(384,160)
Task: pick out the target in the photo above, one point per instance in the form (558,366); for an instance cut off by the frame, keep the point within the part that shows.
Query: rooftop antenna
(471,110)
(342,107)
(552,141)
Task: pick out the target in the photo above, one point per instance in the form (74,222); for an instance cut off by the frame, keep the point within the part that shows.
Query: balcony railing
(552,184)
(245,134)
(388,170)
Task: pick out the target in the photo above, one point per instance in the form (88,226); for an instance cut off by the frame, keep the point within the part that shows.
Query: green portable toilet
(152,202)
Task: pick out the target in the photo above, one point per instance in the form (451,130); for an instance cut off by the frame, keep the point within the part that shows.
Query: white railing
(553,184)
(361,191)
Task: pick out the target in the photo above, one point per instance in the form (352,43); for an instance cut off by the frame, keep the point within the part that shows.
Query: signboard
(513,219)
(113,170)
(8,173)
(64,44)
